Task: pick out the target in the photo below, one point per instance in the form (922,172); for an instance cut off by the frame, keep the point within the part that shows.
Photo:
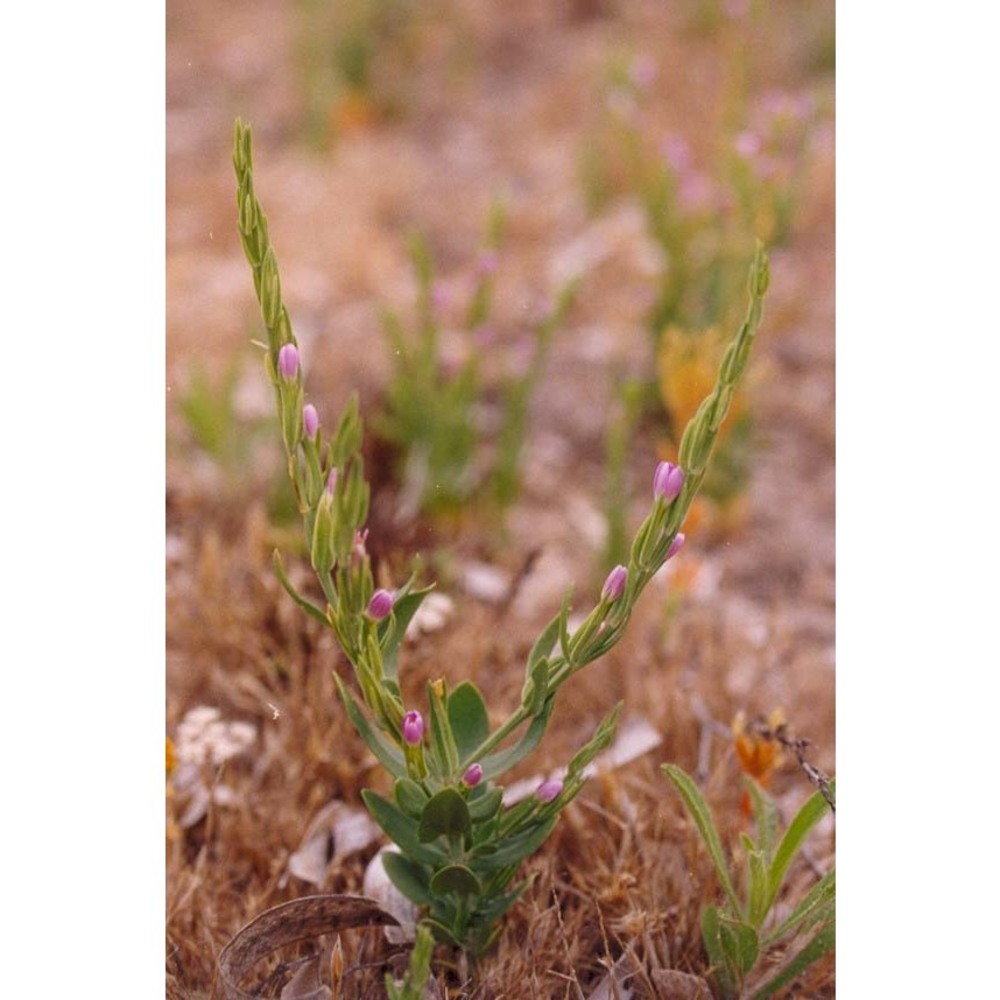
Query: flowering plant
(459,845)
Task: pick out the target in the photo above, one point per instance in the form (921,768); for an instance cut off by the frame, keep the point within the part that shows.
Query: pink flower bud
(413,728)
(381,604)
(675,546)
(614,585)
(548,790)
(667,481)
(473,775)
(331,481)
(310,420)
(288,361)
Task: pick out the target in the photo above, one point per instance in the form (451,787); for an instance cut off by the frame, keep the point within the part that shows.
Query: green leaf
(442,934)
(386,754)
(446,814)
(757,883)
(698,809)
(513,850)
(307,606)
(455,878)
(601,740)
(765,817)
(815,907)
(410,797)
(443,747)
(485,806)
(409,877)
(400,829)
(740,944)
(812,811)
(823,943)
(497,763)
(711,936)
(469,720)
(544,643)
(392,630)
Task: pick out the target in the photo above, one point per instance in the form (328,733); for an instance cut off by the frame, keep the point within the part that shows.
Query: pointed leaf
(485,806)
(815,907)
(497,763)
(514,850)
(740,944)
(757,883)
(711,936)
(823,943)
(386,754)
(442,934)
(392,630)
(446,814)
(544,643)
(698,809)
(410,797)
(307,606)
(601,740)
(765,817)
(400,829)
(444,751)
(457,879)
(812,811)
(470,722)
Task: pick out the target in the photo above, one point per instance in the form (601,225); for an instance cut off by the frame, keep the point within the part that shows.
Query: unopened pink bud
(667,480)
(614,585)
(675,546)
(381,604)
(413,728)
(331,481)
(288,361)
(310,420)
(473,775)
(548,790)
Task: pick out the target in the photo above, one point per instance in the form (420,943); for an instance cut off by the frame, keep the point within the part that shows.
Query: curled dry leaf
(299,920)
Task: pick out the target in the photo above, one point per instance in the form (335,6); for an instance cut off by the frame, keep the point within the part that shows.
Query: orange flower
(758,752)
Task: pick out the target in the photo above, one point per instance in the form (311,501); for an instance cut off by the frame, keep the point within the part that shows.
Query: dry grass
(747,625)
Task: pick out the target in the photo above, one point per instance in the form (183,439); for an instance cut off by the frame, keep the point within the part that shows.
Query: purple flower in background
(310,420)
(614,585)
(473,775)
(667,480)
(413,728)
(548,790)
(381,604)
(288,361)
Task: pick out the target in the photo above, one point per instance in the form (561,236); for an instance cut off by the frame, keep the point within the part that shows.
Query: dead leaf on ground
(289,923)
